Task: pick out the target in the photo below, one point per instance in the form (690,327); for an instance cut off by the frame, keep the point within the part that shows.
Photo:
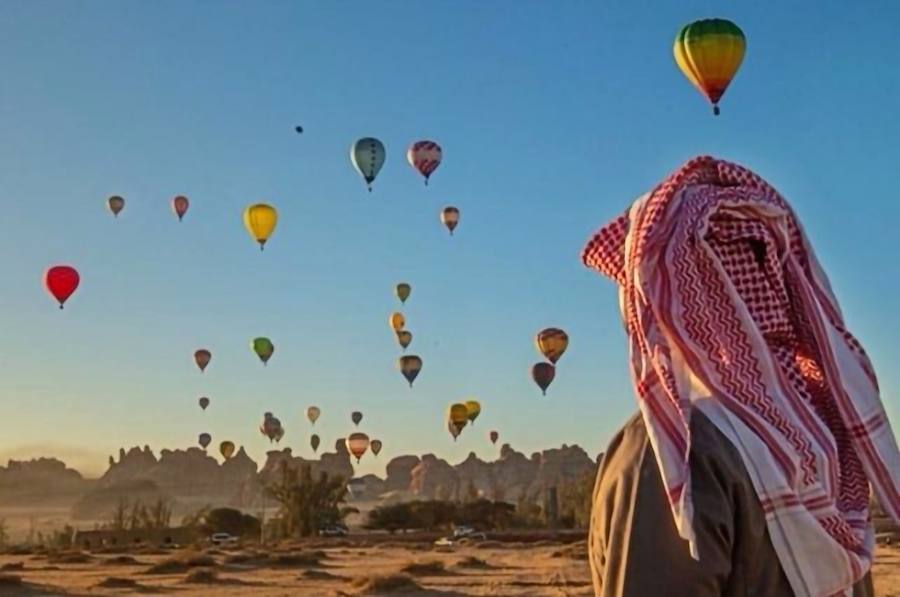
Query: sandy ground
(511,570)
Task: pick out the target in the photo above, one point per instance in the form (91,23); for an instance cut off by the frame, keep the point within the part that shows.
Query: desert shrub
(431,568)
(385,585)
(115,582)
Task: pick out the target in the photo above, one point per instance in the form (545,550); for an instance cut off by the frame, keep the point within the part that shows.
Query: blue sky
(553,117)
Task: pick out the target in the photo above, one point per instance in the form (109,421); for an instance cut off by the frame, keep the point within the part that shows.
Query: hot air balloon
(204,402)
(397,321)
(473,408)
(552,343)
(709,53)
(263,348)
(375,445)
(403,291)
(425,156)
(115,204)
(356,417)
(204,440)
(180,206)
(368,156)
(410,365)
(226,449)
(313,413)
(357,443)
(543,374)
(298,128)
(457,417)
(494,437)
(450,218)
(279,433)
(202,357)
(260,220)
(271,427)
(404,338)
(314,442)
(61,281)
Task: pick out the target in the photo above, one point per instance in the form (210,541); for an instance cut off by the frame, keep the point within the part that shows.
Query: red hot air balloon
(425,156)
(61,281)
(180,206)
(543,374)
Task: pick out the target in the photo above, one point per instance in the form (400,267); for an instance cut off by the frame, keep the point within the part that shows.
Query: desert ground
(331,568)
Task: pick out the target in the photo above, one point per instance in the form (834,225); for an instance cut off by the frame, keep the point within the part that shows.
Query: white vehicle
(465,532)
(222,539)
(444,542)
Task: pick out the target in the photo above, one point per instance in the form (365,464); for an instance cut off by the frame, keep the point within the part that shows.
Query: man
(748,470)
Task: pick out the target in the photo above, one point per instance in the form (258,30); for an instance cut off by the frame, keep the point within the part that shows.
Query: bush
(204,576)
(115,582)
(385,585)
(432,568)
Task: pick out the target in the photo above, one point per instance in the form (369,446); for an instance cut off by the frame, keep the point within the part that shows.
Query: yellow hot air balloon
(403,291)
(552,343)
(457,417)
(260,220)
(473,409)
(357,444)
(226,449)
(709,53)
(397,321)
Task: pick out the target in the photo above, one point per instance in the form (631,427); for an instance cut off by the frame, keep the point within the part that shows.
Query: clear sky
(553,117)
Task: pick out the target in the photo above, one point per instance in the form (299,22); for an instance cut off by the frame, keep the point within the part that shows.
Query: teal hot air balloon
(368,156)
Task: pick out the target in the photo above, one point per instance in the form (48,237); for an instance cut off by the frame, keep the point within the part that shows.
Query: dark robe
(634,545)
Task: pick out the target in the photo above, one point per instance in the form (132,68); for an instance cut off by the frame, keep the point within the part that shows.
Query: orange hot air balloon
(552,343)
(494,437)
(709,53)
(202,357)
(425,156)
(61,281)
(375,446)
(180,205)
(115,204)
(226,449)
(543,374)
(357,444)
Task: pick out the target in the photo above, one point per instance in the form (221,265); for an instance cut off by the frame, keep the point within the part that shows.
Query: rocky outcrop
(399,473)
(43,481)
(434,478)
(478,476)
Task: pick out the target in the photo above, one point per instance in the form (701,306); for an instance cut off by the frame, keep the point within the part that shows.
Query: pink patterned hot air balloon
(425,156)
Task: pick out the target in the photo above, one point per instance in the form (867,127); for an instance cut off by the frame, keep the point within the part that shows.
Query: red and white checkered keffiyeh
(727,310)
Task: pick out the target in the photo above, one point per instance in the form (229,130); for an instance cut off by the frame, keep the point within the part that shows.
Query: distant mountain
(40,482)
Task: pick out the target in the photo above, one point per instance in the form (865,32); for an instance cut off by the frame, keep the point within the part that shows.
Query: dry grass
(182,563)
(202,576)
(117,582)
(385,585)
(430,568)
(473,562)
(12,566)
(575,552)
(122,561)
(318,575)
(70,557)
(10,580)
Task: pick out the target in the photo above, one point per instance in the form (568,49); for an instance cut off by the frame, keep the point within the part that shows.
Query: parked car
(466,532)
(334,530)
(223,539)
(444,542)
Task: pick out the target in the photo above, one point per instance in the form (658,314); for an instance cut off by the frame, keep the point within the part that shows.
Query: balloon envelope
(314,442)
(115,204)
(425,156)
(375,446)
(226,449)
(367,156)
(204,440)
(494,437)
(313,413)
(457,417)
(397,321)
(404,337)
(450,218)
(180,206)
(204,402)
(403,291)
(709,53)
(263,348)
(552,343)
(61,281)
(260,220)
(356,417)
(473,409)
(357,444)
(410,365)
(202,357)
(543,374)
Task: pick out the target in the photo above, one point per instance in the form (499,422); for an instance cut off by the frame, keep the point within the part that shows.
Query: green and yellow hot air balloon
(709,53)
(263,348)
(260,220)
